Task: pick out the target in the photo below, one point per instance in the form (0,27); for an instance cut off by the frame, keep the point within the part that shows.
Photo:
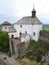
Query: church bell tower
(33,12)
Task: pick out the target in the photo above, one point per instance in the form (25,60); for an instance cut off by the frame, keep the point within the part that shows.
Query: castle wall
(44,36)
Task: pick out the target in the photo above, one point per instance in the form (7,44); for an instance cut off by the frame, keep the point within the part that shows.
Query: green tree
(4,41)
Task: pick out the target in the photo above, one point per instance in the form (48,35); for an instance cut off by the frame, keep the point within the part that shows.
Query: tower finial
(33,7)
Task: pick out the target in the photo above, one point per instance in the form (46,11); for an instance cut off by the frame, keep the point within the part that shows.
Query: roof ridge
(28,20)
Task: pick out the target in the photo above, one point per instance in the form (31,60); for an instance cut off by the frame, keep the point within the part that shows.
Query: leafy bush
(4,41)
(40,48)
(36,57)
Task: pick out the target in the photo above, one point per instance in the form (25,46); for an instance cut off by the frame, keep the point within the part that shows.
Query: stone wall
(44,36)
(21,50)
(17,49)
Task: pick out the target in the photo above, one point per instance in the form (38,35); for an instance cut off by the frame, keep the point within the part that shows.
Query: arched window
(5,27)
(20,33)
(21,26)
(26,32)
(34,33)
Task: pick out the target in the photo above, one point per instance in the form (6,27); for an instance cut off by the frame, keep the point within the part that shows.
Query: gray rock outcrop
(44,60)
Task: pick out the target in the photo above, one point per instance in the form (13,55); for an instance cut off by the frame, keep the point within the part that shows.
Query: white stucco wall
(12,33)
(36,29)
(6,28)
(30,30)
(24,28)
(25,39)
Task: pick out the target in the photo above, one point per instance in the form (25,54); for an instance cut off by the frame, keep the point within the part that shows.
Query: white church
(29,25)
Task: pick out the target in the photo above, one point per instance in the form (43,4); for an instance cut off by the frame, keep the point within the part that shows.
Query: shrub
(4,41)
(40,48)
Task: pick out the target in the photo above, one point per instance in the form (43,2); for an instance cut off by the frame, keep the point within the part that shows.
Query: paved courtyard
(5,60)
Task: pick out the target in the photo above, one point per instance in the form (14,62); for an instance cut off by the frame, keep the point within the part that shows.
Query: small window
(5,28)
(21,26)
(34,33)
(26,32)
(20,33)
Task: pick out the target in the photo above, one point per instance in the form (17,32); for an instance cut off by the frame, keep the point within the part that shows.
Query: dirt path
(26,61)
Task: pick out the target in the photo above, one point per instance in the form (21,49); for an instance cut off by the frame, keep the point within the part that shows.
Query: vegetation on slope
(36,50)
(46,27)
(44,31)
(4,41)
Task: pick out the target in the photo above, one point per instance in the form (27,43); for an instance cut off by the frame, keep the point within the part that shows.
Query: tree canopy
(4,41)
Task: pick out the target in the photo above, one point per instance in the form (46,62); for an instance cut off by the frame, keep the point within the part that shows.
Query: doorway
(12,36)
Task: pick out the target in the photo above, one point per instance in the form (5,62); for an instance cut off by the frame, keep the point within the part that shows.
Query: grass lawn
(26,61)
